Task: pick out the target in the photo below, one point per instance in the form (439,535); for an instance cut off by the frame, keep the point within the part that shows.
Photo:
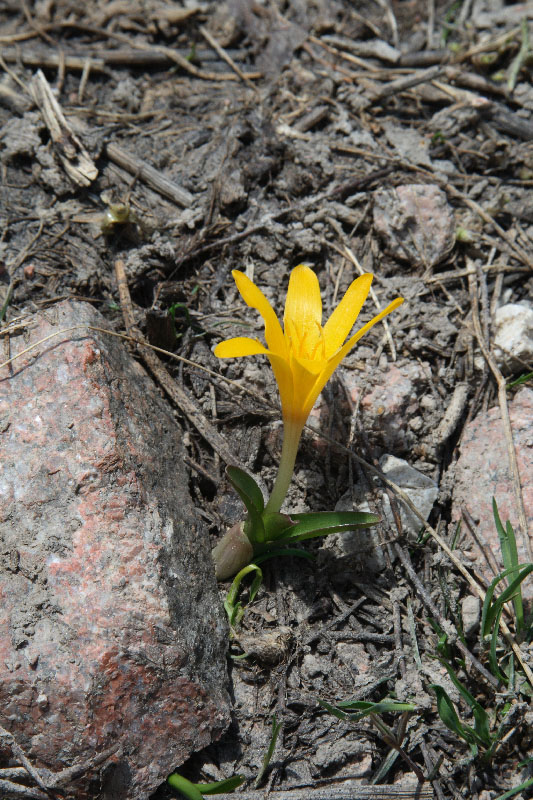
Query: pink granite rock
(416,223)
(111,630)
(482,472)
(387,408)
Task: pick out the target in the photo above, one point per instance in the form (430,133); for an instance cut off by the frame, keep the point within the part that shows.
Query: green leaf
(516,790)
(187,789)
(232,606)
(493,657)
(481,720)
(276,727)
(365,708)
(490,608)
(196,791)
(252,497)
(448,715)
(522,379)
(220,787)
(342,715)
(507,539)
(276,525)
(246,487)
(322,523)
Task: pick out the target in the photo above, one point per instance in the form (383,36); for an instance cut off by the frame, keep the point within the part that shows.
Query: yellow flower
(305,354)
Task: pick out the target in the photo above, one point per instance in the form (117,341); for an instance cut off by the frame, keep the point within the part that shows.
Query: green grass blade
(365,708)
(481,719)
(448,714)
(333,710)
(515,790)
(493,658)
(490,607)
(385,767)
(276,727)
(510,560)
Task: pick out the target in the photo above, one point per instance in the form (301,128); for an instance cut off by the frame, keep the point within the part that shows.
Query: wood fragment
(102,59)
(400,85)
(225,57)
(17,791)
(339,791)
(452,415)
(76,161)
(151,176)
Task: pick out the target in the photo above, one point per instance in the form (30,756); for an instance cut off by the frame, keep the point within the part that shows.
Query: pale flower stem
(292,432)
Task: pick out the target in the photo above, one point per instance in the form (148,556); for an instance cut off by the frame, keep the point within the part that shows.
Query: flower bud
(232,553)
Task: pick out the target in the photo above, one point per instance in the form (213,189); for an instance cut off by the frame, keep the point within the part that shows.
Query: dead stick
(176,393)
(154,179)
(223,55)
(332,792)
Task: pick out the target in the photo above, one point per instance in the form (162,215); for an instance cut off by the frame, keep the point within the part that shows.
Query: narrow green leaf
(490,608)
(510,560)
(527,376)
(515,790)
(385,767)
(276,727)
(381,707)
(365,708)
(335,711)
(493,657)
(481,720)
(187,789)
(220,787)
(233,608)
(322,523)
(196,791)
(502,536)
(252,497)
(448,715)
(244,484)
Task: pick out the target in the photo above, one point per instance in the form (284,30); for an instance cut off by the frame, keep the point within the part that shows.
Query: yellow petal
(239,346)
(342,319)
(255,298)
(284,379)
(303,310)
(304,386)
(334,362)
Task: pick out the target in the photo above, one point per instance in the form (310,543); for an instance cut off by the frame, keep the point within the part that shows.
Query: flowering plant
(303,355)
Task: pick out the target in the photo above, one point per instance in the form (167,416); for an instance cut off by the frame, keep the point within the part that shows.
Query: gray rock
(111,630)
(421,490)
(470,613)
(367,544)
(513,336)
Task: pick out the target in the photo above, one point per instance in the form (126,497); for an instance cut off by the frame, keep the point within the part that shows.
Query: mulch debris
(184,140)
